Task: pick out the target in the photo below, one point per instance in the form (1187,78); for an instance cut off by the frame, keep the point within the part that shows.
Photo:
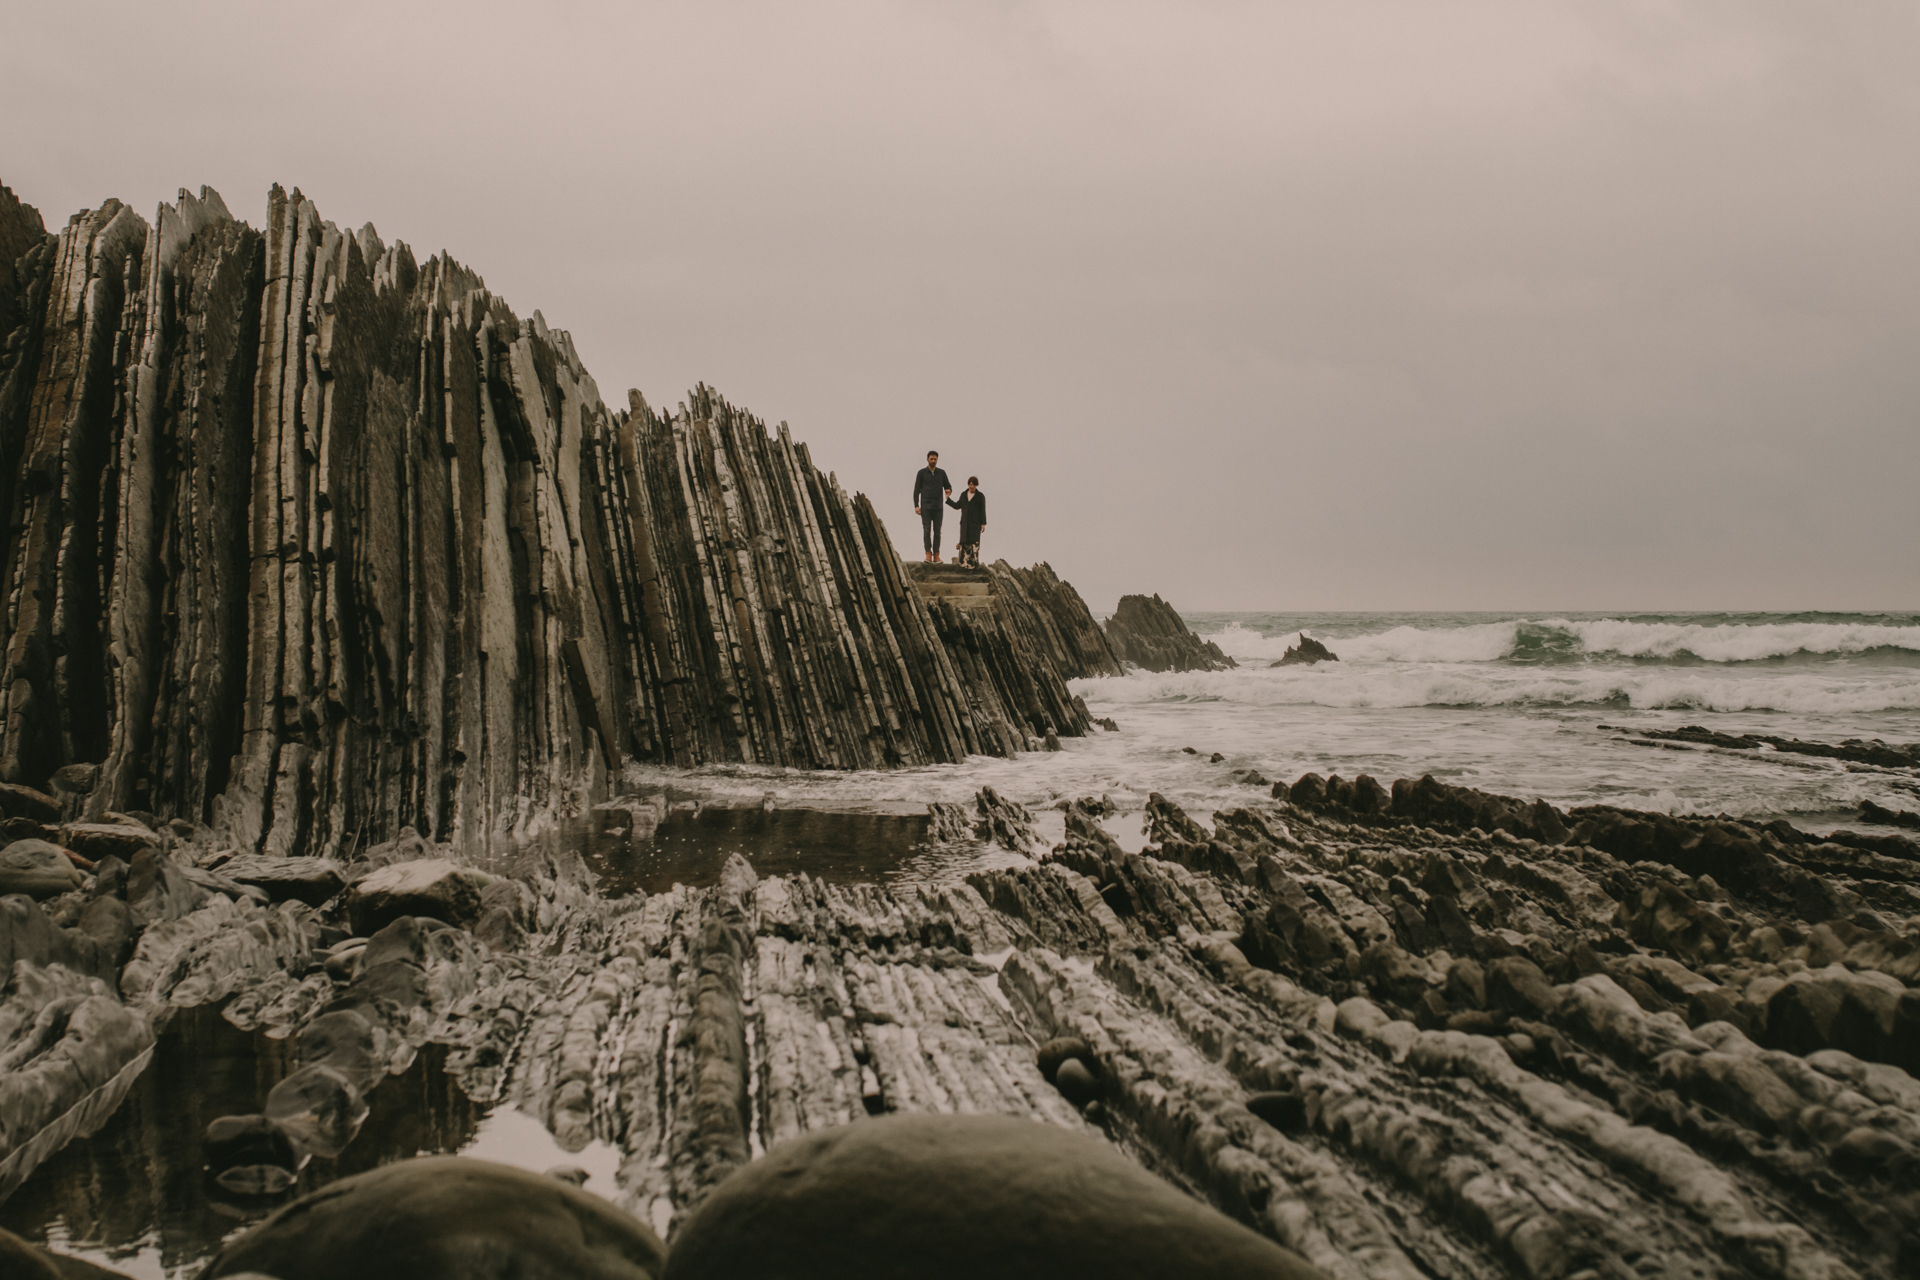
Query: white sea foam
(1487,642)
(1461,684)
(1593,638)
(1451,696)
(1736,642)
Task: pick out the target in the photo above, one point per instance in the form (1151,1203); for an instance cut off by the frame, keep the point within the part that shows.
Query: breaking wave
(1461,685)
(1562,640)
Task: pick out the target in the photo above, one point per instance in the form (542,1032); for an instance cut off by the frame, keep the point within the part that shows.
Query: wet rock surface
(1145,631)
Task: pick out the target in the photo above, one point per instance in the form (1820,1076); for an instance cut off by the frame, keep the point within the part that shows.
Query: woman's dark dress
(973,517)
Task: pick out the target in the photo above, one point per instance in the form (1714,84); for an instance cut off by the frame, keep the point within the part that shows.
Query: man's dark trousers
(930,516)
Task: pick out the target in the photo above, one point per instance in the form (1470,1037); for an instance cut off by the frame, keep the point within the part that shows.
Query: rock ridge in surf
(1147,632)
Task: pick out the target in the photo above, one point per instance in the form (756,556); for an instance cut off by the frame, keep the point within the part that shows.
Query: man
(972,506)
(931,489)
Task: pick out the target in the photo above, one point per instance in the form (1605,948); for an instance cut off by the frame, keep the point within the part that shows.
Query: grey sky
(1260,306)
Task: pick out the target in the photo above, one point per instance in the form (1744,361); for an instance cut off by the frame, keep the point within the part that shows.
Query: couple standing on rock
(932,494)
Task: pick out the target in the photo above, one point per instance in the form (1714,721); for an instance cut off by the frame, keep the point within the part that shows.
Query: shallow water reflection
(135,1196)
(843,848)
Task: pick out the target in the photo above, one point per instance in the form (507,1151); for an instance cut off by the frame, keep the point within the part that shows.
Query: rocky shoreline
(332,584)
(1406,1030)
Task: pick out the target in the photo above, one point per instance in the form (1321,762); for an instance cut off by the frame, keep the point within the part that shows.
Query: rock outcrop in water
(1895,755)
(1308,651)
(309,541)
(1145,631)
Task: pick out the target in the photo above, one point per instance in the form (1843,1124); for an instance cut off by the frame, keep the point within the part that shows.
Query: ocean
(1525,704)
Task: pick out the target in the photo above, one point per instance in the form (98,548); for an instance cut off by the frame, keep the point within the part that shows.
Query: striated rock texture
(308,541)
(1145,631)
(1015,647)
(1410,1031)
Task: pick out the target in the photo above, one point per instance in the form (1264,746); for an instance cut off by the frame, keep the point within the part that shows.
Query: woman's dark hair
(973,479)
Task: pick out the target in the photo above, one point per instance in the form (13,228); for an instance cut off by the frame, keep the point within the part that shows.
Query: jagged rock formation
(310,541)
(1016,636)
(1145,631)
(1308,651)
(1411,1031)
(1056,619)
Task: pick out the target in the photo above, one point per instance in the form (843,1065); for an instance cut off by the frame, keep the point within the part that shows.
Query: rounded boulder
(937,1197)
(38,869)
(446,1218)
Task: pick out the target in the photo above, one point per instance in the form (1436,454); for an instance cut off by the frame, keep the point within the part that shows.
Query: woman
(972,506)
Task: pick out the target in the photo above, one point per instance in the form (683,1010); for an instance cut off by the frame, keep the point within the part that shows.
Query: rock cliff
(309,540)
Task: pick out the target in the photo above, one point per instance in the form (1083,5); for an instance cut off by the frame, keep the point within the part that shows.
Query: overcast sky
(1341,305)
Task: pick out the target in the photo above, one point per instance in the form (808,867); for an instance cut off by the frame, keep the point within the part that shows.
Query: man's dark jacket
(973,514)
(930,488)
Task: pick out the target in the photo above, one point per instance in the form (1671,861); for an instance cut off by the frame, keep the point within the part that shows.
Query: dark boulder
(1440,804)
(1664,916)
(937,1196)
(1166,821)
(1368,796)
(446,1218)
(1310,792)
(1076,1082)
(110,879)
(1063,1049)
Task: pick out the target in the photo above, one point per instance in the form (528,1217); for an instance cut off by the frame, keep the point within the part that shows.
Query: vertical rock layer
(309,541)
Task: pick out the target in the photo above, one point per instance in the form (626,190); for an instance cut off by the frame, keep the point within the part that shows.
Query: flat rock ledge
(1406,1031)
